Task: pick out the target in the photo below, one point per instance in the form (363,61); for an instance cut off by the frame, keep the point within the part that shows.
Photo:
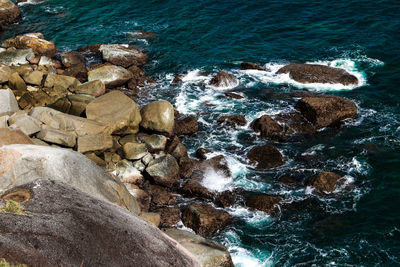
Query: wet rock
(15,57)
(94,88)
(95,48)
(164,170)
(193,188)
(223,79)
(268,128)
(140,79)
(288,180)
(116,110)
(186,126)
(68,227)
(123,56)
(94,142)
(143,35)
(233,95)
(134,151)
(160,196)
(312,73)
(78,71)
(232,120)
(265,203)
(170,216)
(265,157)
(250,66)
(8,102)
(9,12)
(178,79)
(205,220)
(201,153)
(49,134)
(112,76)
(206,251)
(294,123)
(72,58)
(325,182)
(35,41)
(176,148)
(9,137)
(158,116)
(225,199)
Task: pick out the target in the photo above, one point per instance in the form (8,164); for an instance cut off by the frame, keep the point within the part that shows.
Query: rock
(16,83)
(34,78)
(206,251)
(79,103)
(294,122)
(176,149)
(66,82)
(250,66)
(134,151)
(28,163)
(233,95)
(225,199)
(93,157)
(143,35)
(10,137)
(160,196)
(325,182)
(164,170)
(4,121)
(201,153)
(12,57)
(155,142)
(72,58)
(35,41)
(131,138)
(151,217)
(124,169)
(94,88)
(170,216)
(8,103)
(178,79)
(25,123)
(265,157)
(68,227)
(49,134)
(123,56)
(223,79)
(312,73)
(9,12)
(143,199)
(79,71)
(95,48)
(186,126)
(140,79)
(193,188)
(94,142)
(265,203)
(326,110)
(5,73)
(205,220)
(268,128)
(158,116)
(111,76)
(232,120)
(68,123)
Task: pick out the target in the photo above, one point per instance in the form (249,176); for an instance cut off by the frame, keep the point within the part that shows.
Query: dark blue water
(357,227)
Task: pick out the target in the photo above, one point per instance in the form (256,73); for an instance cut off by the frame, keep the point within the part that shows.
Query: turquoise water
(357,227)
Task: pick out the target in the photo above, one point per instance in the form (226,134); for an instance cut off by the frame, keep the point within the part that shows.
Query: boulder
(124,169)
(206,251)
(223,79)
(233,120)
(143,35)
(226,199)
(326,110)
(250,66)
(9,12)
(265,157)
(94,48)
(140,79)
(66,82)
(8,103)
(268,128)
(49,134)
(325,182)
(94,88)
(112,76)
(35,41)
(27,124)
(201,153)
(5,73)
(123,56)
(192,188)
(186,126)
(151,217)
(94,142)
(205,220)
(68,227)
(16,83)
(78,71)
(72,58)
(155,142)
(313,73)
(265,203)
(10,137)
(170,216)
(27,163)
(176,148)
(15,57)
(142,197)
(4,121)
(164,170)
(160,196)
(158,116)
(294,122)
(34,77)
(116,110)
(134,151)
(79,103)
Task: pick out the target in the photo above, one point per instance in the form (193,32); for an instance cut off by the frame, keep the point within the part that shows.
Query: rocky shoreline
(77,150)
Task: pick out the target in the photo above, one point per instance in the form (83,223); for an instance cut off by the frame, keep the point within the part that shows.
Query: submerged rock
(250,66)
(233,120)
(112,76)
(158,116)
(123,56)
(223,79)
(268,128)
(143,35)
(186,126)
(325,182)
(312,73)
(9,12)
(266,157)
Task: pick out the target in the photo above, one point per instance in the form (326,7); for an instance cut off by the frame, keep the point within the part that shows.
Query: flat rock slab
(94,142)
(10,137)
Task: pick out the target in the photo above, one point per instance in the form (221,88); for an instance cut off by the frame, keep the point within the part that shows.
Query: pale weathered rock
(63,81)
(9,12)
(27,124)
(155,142)
(34,77)
(15,57)
(135,151)
(5,73)
(128,173)
(8,103)
(10,137)
(116,110)
(151,217)
(206,251)
(16,83)
(3,121)
(94,142)
(123,56)
(25,163)
(158,116)
(55,136)
(164,170)
(95,88)
(35,41)
(112,76)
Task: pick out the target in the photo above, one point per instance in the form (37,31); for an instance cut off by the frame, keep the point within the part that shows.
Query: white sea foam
(30,2)
(215,180)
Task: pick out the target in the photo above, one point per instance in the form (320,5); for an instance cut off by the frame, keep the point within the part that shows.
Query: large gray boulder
(15,57)
(112,76)
(8,103)
(54,224)
(25,163)
(9,12)
(123,56)
(158,116)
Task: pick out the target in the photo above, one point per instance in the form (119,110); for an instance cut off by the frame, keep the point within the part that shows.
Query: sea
(357,225)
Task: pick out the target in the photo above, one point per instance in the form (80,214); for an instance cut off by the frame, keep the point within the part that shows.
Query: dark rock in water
(218,163)
(294,122)
(302,93)
(186,126)
(205,220)
(265,203)
(312,73)
(265,157)
(250,66)
(201,153)
(193,188)
(59,225)
(325,182)
(78,71)
(187,166)
(233,95)
(170,216)
(226,199)
(176,148)
(72,58)
(143,35)
(9,12)
(95,48)
(233,120)
(326,110)
(140,79)
(223,79)
(160,196)
(268,128)
(288,180)
(178,79)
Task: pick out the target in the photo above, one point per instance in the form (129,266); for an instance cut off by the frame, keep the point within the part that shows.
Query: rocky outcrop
(325,182)
(233,120)
(112,76)
(326,110)
(67,227)
(205,220)
(223,79)
(158,116)
(9,12)
(268,128)
(35,41)
(250,66)
(265,157)
(186,126)
(25,163)
(123,56)
(265,203)
(312,73)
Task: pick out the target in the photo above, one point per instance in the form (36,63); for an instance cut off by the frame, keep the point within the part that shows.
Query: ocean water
(359,226)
